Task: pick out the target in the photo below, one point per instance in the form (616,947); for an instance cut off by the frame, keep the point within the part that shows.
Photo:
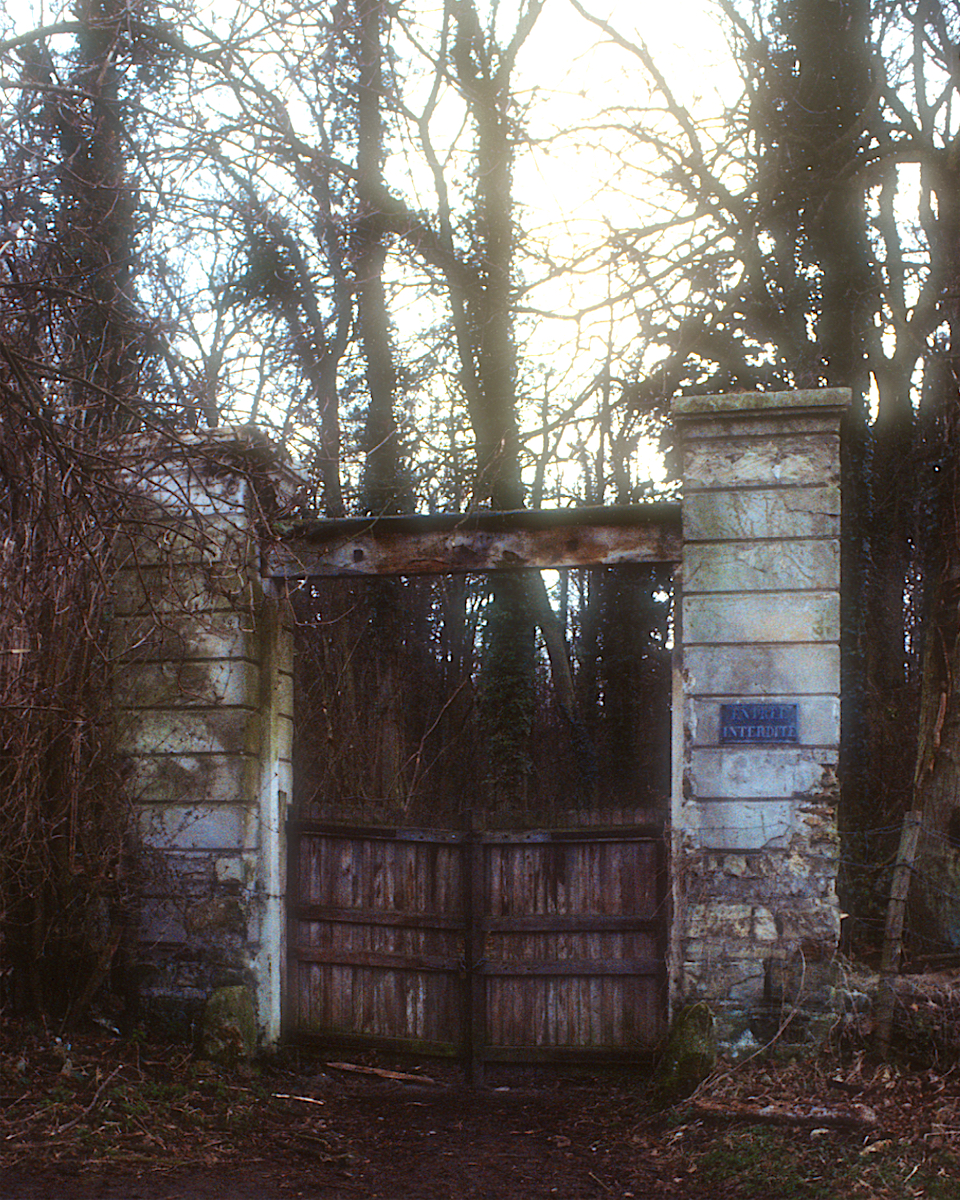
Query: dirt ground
(132,1121)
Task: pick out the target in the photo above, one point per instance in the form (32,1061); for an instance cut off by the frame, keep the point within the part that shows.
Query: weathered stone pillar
(756,919)
(203,690)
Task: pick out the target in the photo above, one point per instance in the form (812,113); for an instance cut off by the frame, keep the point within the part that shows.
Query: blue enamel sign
(759,723)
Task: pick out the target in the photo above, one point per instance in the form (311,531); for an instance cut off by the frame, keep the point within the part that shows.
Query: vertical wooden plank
(292,1002)
(473,907)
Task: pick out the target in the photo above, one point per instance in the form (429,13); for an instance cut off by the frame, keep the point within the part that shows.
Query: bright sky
(579,188)
(573,189)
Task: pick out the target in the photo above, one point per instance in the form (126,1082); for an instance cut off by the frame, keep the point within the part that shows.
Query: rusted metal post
(893,931)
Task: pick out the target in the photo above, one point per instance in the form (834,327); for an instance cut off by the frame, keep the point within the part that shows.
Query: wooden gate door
(376,937)
(532,946)
(573,945)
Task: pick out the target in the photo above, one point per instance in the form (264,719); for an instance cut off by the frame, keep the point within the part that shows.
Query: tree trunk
(384,488)
(934,911)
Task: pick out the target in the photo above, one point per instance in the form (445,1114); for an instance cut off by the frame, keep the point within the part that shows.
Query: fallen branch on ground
(401,1075)
(768,1115)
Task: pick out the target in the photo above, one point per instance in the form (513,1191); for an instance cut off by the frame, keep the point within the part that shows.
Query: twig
(401,1075)
(304,1099)
(93,1103)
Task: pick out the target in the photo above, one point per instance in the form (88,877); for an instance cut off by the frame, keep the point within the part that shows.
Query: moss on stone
(689,1056)
(228,1030)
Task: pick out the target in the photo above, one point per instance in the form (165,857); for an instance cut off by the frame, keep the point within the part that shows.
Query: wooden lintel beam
(457,551)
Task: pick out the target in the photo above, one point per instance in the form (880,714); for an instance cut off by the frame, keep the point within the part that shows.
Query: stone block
(205,778)
(769,670)
(722,978)
(284,770)
(228,1030)
(178,873)
(811,923)
(818,718)
(712,920)
(788,565)
(204,589)
(216,916)
(283,741)
(764,925)
(818,816)
(189,731)
(741,403)
(157,637)
(757,772)
(285,651)
(198,489)
(743,825)
(762,617)
(759,462)
(160,538)
(188,684)
(758,425)
(283,694)
(725,950)
(772,878)
(198,827)
(235,869)
(161,921)
(808,980)
(791,512)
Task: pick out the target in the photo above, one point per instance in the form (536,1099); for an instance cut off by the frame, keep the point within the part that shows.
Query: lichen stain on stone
(734,865)
(829,784)
(821,821)
(218,913)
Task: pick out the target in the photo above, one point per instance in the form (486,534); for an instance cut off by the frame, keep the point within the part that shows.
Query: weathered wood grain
(495,945)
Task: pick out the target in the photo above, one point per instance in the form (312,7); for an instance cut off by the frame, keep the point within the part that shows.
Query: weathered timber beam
(457,543)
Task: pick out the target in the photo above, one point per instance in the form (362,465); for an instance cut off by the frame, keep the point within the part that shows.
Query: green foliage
(766,1164)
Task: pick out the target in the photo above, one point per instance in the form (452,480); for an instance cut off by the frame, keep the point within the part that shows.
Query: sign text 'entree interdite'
(759,723)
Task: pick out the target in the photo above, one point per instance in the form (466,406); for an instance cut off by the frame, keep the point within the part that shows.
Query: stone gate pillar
(203,685)
(754,811)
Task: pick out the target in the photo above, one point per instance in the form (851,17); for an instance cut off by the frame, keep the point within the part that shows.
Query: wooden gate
(513,946)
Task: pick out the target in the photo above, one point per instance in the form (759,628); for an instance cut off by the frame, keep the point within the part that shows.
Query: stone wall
(203,689)
(756,919)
